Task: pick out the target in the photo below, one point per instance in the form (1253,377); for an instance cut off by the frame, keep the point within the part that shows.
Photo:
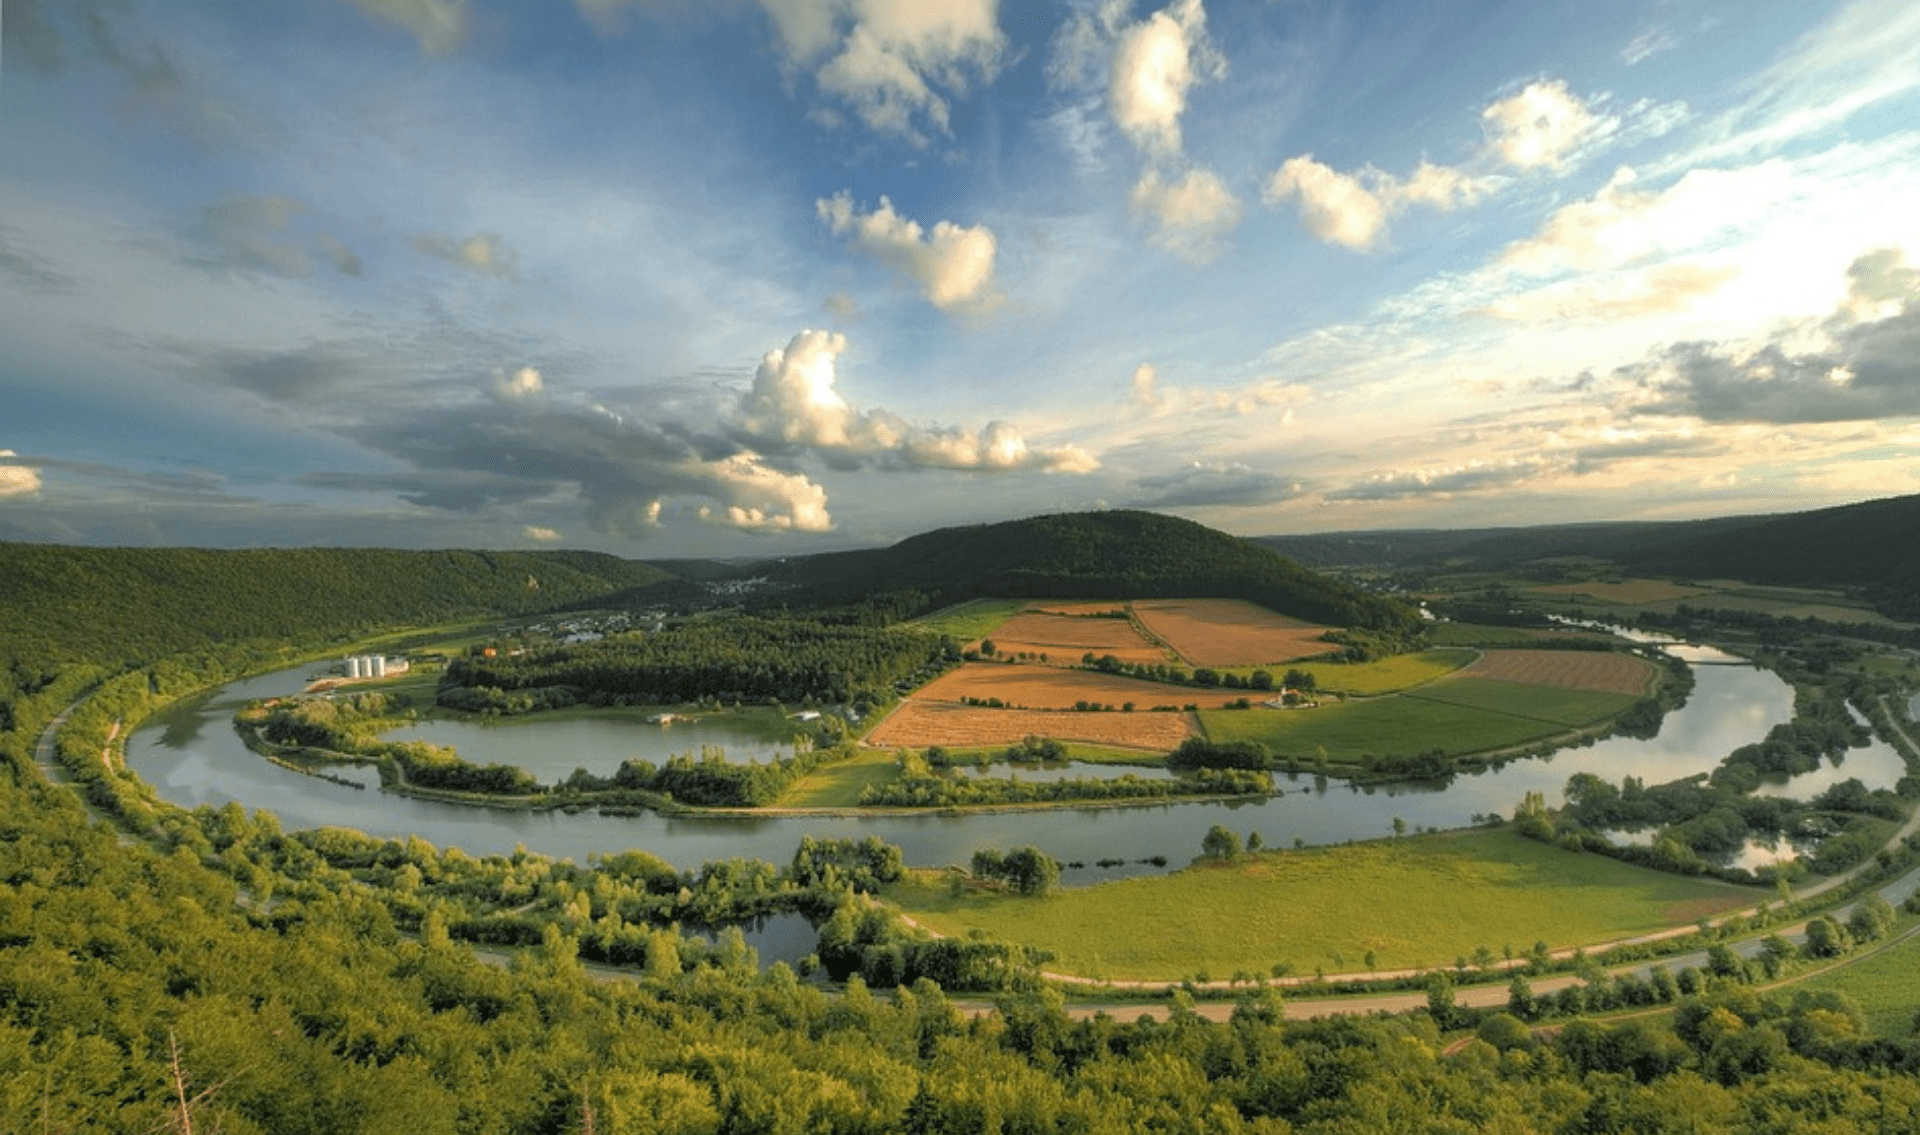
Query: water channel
(191,755)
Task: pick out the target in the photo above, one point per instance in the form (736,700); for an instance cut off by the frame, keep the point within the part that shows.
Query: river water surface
(192,755)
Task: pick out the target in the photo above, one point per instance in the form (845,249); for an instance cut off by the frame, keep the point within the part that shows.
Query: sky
(770,277)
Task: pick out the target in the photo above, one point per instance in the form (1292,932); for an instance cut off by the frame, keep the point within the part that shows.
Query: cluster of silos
(367,666)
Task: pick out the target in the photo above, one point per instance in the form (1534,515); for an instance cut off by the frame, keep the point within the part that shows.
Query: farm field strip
(1421,901)
(1350,730)
(1053,687)
(1388,675)
(917,724)
(1229,632)
(1550,704)
(1596,670)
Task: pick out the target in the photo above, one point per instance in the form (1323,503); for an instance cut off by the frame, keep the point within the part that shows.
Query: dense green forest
(1097,555)
(733,658)
(211,972)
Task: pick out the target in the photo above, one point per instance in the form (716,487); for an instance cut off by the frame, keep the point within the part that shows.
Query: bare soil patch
(1229,632)
(917,724)
(1051,687)
(1566,669)
(1065,638)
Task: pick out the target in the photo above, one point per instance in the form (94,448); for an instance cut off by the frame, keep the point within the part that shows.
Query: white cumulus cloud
(523,383)
(482,252)
(953,265)
(1155,63)
(1192,215)
(17,480)
(793,404)
(1543,125)
(540,533)
(884,58)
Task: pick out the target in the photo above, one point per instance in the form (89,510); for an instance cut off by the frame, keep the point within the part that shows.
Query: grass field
(838,785)
(1571,708)
(1625,591)
(1882,985)
(1416,902)
(1349,730)
(1388,675)
(1480,634)
(970,621)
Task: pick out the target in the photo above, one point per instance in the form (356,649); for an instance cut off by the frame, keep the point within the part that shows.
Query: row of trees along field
(734,658)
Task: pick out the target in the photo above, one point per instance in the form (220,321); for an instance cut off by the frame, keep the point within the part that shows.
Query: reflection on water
(191,755)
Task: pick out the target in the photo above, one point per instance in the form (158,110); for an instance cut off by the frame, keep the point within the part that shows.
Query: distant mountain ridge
(1121,554)
(1872,546)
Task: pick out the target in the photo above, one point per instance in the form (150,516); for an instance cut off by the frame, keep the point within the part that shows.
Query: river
(191,755)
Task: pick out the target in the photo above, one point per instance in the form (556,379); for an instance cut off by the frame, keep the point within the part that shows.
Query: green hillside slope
(1103,555)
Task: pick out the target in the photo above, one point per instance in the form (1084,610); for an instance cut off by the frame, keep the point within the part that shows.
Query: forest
(1119,554)
(167,970)
(731,658)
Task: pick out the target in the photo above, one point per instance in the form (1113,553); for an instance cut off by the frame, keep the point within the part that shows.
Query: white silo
(353,666)
(379,663)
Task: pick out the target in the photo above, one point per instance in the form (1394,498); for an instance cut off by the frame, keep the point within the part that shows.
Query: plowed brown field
(1566,669)
(1064,638)
(1229,632)
(917,724)
(1052,687)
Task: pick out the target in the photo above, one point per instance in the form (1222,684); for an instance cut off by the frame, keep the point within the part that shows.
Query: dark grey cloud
(264,233)
(1216,484)
(1595,457)
(1470,478)
(196,484)
(304,374)
(30,272)
(1871,370)
(33,39)
(453,490)
(29,40)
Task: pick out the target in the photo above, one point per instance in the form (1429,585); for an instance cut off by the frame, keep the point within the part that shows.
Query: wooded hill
(1873,546)
(137,604)
(1091,555)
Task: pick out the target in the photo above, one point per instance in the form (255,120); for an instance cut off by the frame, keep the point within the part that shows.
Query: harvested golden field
(1601,671)
(1065,638)
(917,724)
(1052,687)
(1229,632)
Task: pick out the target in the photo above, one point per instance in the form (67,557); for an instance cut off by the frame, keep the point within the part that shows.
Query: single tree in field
(1220,842)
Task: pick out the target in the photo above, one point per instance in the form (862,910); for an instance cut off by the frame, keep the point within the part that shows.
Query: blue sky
(673,277)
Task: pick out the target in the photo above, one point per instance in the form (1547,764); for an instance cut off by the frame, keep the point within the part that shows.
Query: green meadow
(1386,675)
(973,619)
(1416,902)
(1550,704)
(1349,730)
